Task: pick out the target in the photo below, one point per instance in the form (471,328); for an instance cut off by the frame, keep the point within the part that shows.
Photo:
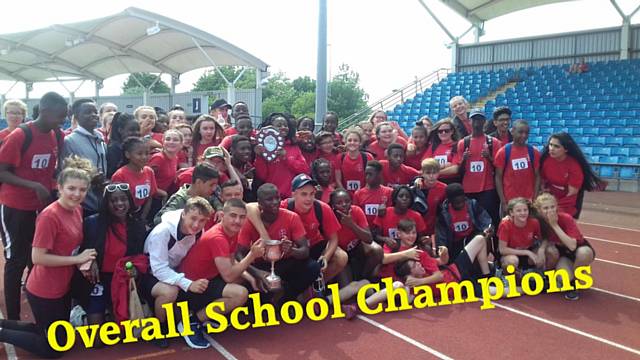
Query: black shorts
(571,255)
(213,292)
(317,250)
(146,282)
(356,261)
(465,265)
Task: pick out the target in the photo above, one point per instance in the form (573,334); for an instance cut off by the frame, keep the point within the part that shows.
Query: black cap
(477,113)
(302,180)
(220,103)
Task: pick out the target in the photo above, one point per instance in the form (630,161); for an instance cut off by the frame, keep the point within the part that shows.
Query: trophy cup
(273,253)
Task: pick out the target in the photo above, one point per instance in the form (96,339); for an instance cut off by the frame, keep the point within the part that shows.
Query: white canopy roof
(134,40)
(478,11)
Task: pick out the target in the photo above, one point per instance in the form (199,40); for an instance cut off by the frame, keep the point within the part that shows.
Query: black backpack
(467,143)
(317,209)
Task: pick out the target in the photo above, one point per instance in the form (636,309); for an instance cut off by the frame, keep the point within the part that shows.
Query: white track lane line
(611,241)
(9,348)
(569,329)
(616,294)
(618,263)
(609,226)
(221,349)
(403,337)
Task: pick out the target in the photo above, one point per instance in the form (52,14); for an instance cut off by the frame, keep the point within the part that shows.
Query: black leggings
(33,337)
(18,227)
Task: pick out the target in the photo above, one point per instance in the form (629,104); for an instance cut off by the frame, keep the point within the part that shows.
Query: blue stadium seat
(634,151)
(631,141)
(614,141)
(606,131)
(607,171)
(605,151)
(628,173)
(596,140)
(581,140)
(587,150)
(620,151)
(623,131)
(630,160)
(590,131)
(594,158)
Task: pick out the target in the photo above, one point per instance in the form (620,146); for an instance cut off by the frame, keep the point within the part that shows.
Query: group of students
(193,206)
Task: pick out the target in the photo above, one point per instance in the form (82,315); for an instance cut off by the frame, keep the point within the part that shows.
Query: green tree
(304,105)
(212,80)
(345,94)
(131,86)
(304,84)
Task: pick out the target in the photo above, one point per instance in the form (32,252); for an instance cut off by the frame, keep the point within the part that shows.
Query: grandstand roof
(134,40)
(478,11)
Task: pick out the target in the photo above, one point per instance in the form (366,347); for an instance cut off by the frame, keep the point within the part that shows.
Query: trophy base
(275,283)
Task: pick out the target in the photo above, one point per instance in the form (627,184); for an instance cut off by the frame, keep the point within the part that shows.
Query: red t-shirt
(330,225)
(557,176)
(353,172)
(288,224)
(415,160)
(444,154)
(336,163)
(370,199)
(202,147)
(37,164)
(309,157)
(142,185)
(401,176)
(461,223)
(186,176)
(200,261)
(326,193)
(159,137)
(281,171)
(519,177)
(479,174)
(115,246)
(519,237)
(435,197)
(347,239)
(229,134)
(570,227)
(183,157)
(59,231)
(379,152)
(4,133)
(165,169)
(389,223)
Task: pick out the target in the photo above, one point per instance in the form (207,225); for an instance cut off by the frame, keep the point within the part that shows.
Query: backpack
(28,138)
(507,154)
(467,143)
(317,209)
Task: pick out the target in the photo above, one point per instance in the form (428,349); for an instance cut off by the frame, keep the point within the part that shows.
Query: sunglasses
(444,131)
(114,187)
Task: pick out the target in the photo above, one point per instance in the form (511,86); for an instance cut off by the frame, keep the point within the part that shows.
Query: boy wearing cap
(203,183)
(320,224)
(220,111)
(219,158)
(477,167)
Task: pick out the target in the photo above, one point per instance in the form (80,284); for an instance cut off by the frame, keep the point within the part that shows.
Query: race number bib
(477,166)
(142,191)
(371,209)
(441,159)
(40,161)
(460,226)
(353,185)
(393,233)
(520,164)
(97,290)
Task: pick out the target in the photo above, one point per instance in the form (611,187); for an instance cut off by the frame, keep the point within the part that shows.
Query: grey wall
(592,45)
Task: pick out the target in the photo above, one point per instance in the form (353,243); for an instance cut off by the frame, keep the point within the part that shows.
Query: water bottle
(131,270)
